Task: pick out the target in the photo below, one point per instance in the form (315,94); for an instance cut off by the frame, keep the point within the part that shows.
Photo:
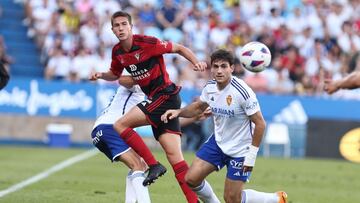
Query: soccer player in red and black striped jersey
(142,57)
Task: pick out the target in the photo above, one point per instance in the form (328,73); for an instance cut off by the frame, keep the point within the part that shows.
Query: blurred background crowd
(309,39)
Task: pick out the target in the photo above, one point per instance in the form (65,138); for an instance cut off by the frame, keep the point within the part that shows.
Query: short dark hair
(222,54)
(121,14)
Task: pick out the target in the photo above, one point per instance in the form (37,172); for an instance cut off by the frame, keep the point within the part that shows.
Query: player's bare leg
(124,126)
(233,191)
(132,119)
(132,160)
(195,178)
(171,143)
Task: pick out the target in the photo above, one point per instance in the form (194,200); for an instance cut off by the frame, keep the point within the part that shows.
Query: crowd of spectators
(309,39)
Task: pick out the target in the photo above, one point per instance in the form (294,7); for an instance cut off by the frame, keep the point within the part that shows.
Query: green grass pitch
(98,180)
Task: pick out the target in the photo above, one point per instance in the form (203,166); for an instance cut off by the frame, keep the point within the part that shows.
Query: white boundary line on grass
(49,171)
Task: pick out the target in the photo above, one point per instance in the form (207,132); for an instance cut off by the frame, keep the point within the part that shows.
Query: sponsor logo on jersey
(133,67)
(139,74)
(223,112)
(228,100)
(236,164)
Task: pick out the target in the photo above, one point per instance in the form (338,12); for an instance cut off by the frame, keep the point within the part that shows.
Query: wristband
(251,156)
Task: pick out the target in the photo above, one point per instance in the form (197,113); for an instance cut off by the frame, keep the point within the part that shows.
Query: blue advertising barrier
(85,100)
(38,97)
(314,107)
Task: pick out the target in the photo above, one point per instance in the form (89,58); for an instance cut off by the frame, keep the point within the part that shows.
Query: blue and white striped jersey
(122,102)
(231,108)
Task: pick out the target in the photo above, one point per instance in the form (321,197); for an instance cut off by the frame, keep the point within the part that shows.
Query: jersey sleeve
(162,47)
(251,104)
(204,97)
(116,67)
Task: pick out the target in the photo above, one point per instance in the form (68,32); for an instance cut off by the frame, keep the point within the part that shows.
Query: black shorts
(156,107)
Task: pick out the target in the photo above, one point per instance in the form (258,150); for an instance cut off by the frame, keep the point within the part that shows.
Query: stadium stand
(309,40)
(26,58)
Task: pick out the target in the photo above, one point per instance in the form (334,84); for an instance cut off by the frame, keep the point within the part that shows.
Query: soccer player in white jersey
(239,128)
(107,140)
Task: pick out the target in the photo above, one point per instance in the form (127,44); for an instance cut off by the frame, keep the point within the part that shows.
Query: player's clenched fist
(95,76)
(170,114)
(200,66)
(330,86)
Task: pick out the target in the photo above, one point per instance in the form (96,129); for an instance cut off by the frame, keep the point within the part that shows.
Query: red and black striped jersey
(144,62)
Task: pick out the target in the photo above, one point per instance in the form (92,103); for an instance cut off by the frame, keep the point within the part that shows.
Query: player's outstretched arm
(258,119)
(351,81)
(204,115)
(109,76)
(192,110)
(189,55)
(259,130)
(127,81)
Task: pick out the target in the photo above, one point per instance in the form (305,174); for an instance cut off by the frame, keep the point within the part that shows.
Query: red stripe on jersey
(150,107)
(157,103)
(150,121)
(144,62)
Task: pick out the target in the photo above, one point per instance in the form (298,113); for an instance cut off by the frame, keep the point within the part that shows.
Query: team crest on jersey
(137,56)
(228,100)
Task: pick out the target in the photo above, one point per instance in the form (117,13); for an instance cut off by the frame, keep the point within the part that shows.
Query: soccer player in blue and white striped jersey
(107,140)
(238,130)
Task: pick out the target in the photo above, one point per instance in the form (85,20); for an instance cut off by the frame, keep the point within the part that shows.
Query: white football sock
(253,196)
(130,195)
(206,193)
(142,192)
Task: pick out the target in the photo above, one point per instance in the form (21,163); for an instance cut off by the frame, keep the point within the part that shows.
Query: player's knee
(173,157)
(119,127)
(133,163)
(191,180)
(136,166)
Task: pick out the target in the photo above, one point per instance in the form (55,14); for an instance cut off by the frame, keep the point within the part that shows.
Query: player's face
(122,28)
(221,71)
